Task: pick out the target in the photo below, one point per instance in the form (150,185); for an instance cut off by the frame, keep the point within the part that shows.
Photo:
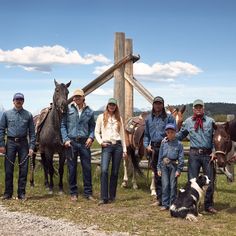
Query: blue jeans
(194,164)
(114,153)
(22,149)
(78,148)
(169,184)
(157,178)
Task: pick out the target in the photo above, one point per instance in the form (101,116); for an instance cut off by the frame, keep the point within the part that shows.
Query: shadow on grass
(40,197)
(224,190)
(231,210)
(222,206)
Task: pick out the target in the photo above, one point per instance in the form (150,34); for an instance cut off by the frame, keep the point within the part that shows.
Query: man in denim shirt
(154,132)
(16,124)
(199,127)
(77,130)
(170,165)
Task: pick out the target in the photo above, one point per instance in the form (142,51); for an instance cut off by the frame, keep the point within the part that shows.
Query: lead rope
(21,163)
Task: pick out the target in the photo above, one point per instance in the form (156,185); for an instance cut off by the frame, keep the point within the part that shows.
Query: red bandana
(199,121)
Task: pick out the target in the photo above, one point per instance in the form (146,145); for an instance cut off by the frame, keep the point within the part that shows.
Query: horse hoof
(124,185)
(135,186)
(60,192)
(153,193)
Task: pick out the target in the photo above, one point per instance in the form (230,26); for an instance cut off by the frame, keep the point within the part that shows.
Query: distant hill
(213,109)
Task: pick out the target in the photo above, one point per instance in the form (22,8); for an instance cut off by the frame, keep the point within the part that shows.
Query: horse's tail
(135,158)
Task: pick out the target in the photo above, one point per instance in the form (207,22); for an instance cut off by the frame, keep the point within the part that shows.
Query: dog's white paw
(191,217)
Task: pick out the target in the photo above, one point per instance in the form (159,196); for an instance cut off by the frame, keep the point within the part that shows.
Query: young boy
(170,165)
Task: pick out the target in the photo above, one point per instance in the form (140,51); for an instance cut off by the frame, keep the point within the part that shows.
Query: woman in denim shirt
(170,165)
(109,132)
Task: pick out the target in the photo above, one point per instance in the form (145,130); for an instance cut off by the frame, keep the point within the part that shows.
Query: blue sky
(187,48)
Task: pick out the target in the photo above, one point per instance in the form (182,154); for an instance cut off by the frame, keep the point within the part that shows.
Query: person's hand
(31,152)
(104,144)
(159,173)
(2,150)
(88,142)
(149,149)
(177,174)
(67,144)
(164,140)
(213,156)
(125,156)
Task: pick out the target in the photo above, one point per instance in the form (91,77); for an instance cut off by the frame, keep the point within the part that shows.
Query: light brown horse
(134,132)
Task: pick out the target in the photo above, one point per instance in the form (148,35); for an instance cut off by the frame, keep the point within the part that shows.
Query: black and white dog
(188,200)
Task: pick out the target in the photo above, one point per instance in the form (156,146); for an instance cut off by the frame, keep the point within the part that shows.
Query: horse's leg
(51,172)
(152,186)
(125,179)
(45,169)
(134,179)
(61,170)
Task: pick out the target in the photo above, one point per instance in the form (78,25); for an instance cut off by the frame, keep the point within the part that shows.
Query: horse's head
(178,114)
(222,143)
(60,96)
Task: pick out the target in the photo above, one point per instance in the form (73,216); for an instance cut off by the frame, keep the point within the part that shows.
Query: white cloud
(167,72)
(43,58)
(103,92)
(100,69)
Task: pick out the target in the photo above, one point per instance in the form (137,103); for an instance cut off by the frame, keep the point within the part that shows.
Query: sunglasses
(19,99)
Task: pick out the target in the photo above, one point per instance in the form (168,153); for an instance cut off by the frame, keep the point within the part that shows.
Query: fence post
(129,97)
(119,83)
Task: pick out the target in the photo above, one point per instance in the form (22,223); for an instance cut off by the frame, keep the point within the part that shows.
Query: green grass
(130,213)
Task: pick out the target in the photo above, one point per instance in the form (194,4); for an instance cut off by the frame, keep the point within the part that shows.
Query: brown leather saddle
(136,126)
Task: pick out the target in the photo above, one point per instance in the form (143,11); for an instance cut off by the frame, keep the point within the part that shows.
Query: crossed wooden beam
(109,73)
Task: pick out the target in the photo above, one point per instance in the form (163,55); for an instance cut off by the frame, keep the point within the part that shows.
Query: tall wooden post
(119,82)
(129,97)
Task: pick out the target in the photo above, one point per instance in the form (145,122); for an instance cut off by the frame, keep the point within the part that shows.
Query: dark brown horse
(225,146)
(49,135)
(134,132)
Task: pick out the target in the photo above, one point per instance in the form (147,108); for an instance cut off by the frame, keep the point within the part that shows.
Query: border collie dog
(188,200)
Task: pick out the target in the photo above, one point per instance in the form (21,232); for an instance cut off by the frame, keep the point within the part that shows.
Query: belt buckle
(77,139)
(166,160)
(200,151)
(16,140)
(113,142)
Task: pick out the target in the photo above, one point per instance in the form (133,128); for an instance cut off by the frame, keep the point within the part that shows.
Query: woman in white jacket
(109,132)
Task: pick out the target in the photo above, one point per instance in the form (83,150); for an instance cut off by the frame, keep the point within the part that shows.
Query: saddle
(135,126)
(39,121)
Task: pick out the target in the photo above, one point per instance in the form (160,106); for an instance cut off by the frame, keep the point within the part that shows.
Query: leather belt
(113,142)
(17,139)
(167,161)
(156,144)
(80,139)
(201,151)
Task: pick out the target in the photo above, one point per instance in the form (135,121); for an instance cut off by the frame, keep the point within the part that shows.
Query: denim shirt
(155,128)
(73,125)
(202,138)
(17,123)
(174,151)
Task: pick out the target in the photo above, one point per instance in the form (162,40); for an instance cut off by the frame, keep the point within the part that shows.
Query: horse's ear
(170,108)
(183,108)
(214,126)
(55,82)
(227,127)
(68,84)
